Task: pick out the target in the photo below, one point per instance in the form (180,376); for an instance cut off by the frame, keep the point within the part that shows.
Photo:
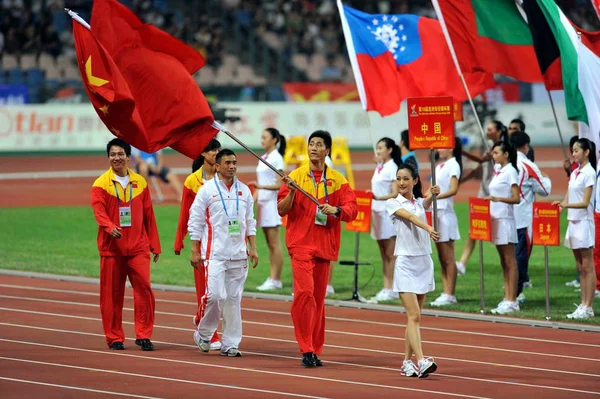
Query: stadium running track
(52,345)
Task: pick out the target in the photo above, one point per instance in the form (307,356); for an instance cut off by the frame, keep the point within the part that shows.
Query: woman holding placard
(504,194)
(382,229)
(448,174)
(413,270)
(580,235)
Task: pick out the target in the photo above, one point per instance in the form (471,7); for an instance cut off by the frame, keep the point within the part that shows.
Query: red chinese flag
(106,87)
(157,68)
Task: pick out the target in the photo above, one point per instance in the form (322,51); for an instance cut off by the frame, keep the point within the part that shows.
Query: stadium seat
(205,76)
(46,62)
(224,76)
(35,77)
(243,75)
(231,60)
(15,76)
(34,94)
(9,61)
(28,61)
(300,61)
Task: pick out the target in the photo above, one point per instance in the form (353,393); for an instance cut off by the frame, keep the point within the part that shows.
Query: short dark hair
(520,122)
(223,153)
(198,162)
(322,134)
(118,143)
(404,138)
(519,139)
(572,142)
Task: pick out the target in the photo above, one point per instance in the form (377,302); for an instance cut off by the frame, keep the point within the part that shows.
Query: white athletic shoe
(521,298)
(582,312)
(203,345)
(215,346)
(573,283)
(330,290)
(408,369)
(528,284)
(270,285)
(385,295)
(444,300)
(461,268)
(506,307)
(426,367)
(231,352)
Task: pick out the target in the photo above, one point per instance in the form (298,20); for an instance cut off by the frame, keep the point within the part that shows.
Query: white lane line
(379,323)
(152,377)
(75,388)
(277,373)
(370,336)
(295,358)
(187,330)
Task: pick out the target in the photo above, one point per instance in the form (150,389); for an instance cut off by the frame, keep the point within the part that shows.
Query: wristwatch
(339,211)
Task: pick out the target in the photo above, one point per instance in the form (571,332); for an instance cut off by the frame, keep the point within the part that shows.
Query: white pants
(225,284)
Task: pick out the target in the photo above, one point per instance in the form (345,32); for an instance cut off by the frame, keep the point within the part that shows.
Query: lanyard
(203,176)
(124,193)
(237,198)
(324,179)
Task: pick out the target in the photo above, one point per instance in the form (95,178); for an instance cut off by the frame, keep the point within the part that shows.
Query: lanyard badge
(320,217)
(233,223)
(124,211)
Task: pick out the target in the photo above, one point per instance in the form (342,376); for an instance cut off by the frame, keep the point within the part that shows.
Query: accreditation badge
(320,218)
(233,226)
(125,216)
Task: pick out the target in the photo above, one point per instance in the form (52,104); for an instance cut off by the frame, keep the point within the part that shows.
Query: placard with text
(362,223)
(546,224)
(480,220)
(430,123)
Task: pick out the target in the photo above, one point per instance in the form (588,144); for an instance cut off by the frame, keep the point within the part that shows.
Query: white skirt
(504,231)
(267,214)
(580,234)
(382,227)
(414,274)
(448,226)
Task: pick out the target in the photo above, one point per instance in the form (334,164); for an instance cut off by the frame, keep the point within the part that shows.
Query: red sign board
(430,123)
(480,220)
(546,224)
(362,223)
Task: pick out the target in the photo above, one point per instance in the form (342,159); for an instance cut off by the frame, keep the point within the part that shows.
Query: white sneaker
(506,307)
(330,290)
(270,285)
(582,312)
(460,268)
(231,352)
(444,300)
(215,346)
(408,369)
(521,298)
(573,283)
(528,284)
(386,295)
(203,345)
(426,367)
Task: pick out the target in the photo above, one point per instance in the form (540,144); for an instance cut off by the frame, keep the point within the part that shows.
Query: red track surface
(50,333)
(76,191)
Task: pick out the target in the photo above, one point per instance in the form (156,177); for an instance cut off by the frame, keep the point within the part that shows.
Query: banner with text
(546,224)
(430,123)
(362,223)
(480,220)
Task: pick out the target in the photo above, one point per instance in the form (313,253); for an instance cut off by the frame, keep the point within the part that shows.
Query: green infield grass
(63,241)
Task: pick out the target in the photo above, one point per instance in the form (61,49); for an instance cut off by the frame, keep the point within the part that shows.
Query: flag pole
(438,11)
(562,141)
(77,18)
(222,129)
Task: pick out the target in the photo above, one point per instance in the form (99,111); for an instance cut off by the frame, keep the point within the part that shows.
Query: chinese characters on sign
(480,221)
(546,224)
(431,122)
(362,223)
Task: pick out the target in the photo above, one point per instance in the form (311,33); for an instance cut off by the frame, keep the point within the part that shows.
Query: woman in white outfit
(267,185)
(382,228)
(448,173)
(580,235)
(413,271)
(504,195)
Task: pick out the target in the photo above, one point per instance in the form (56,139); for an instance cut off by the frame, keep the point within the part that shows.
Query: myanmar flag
(490,36)
(577,52)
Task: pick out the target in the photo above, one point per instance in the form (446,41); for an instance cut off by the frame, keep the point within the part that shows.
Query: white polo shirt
(580,179)
(381,183)
(266,177)
(412,240)
(444,173)
(500,186)
(531,182)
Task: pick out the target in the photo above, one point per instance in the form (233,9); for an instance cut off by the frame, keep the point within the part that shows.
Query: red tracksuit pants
(597,249)
(308,308)
(114,271)
(201,296)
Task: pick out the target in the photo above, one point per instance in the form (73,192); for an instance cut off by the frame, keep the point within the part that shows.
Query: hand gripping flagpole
(438,11)
(222,128)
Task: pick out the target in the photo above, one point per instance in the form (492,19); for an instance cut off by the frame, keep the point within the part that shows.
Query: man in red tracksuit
(205,170)
(313,239)
(127,234)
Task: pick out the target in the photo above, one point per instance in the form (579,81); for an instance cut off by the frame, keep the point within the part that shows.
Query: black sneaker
(117,346)
(318,361)
(308,359)
(145,344)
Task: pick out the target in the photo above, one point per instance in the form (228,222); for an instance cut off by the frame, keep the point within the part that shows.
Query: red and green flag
(491,36)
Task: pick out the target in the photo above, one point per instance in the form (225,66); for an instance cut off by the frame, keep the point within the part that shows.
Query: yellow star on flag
(93,80)
(115,131)
(104,109)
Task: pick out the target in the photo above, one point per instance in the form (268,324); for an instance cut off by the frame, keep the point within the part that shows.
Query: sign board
(546,224)
(362,223)
(480,220)
(430,123)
